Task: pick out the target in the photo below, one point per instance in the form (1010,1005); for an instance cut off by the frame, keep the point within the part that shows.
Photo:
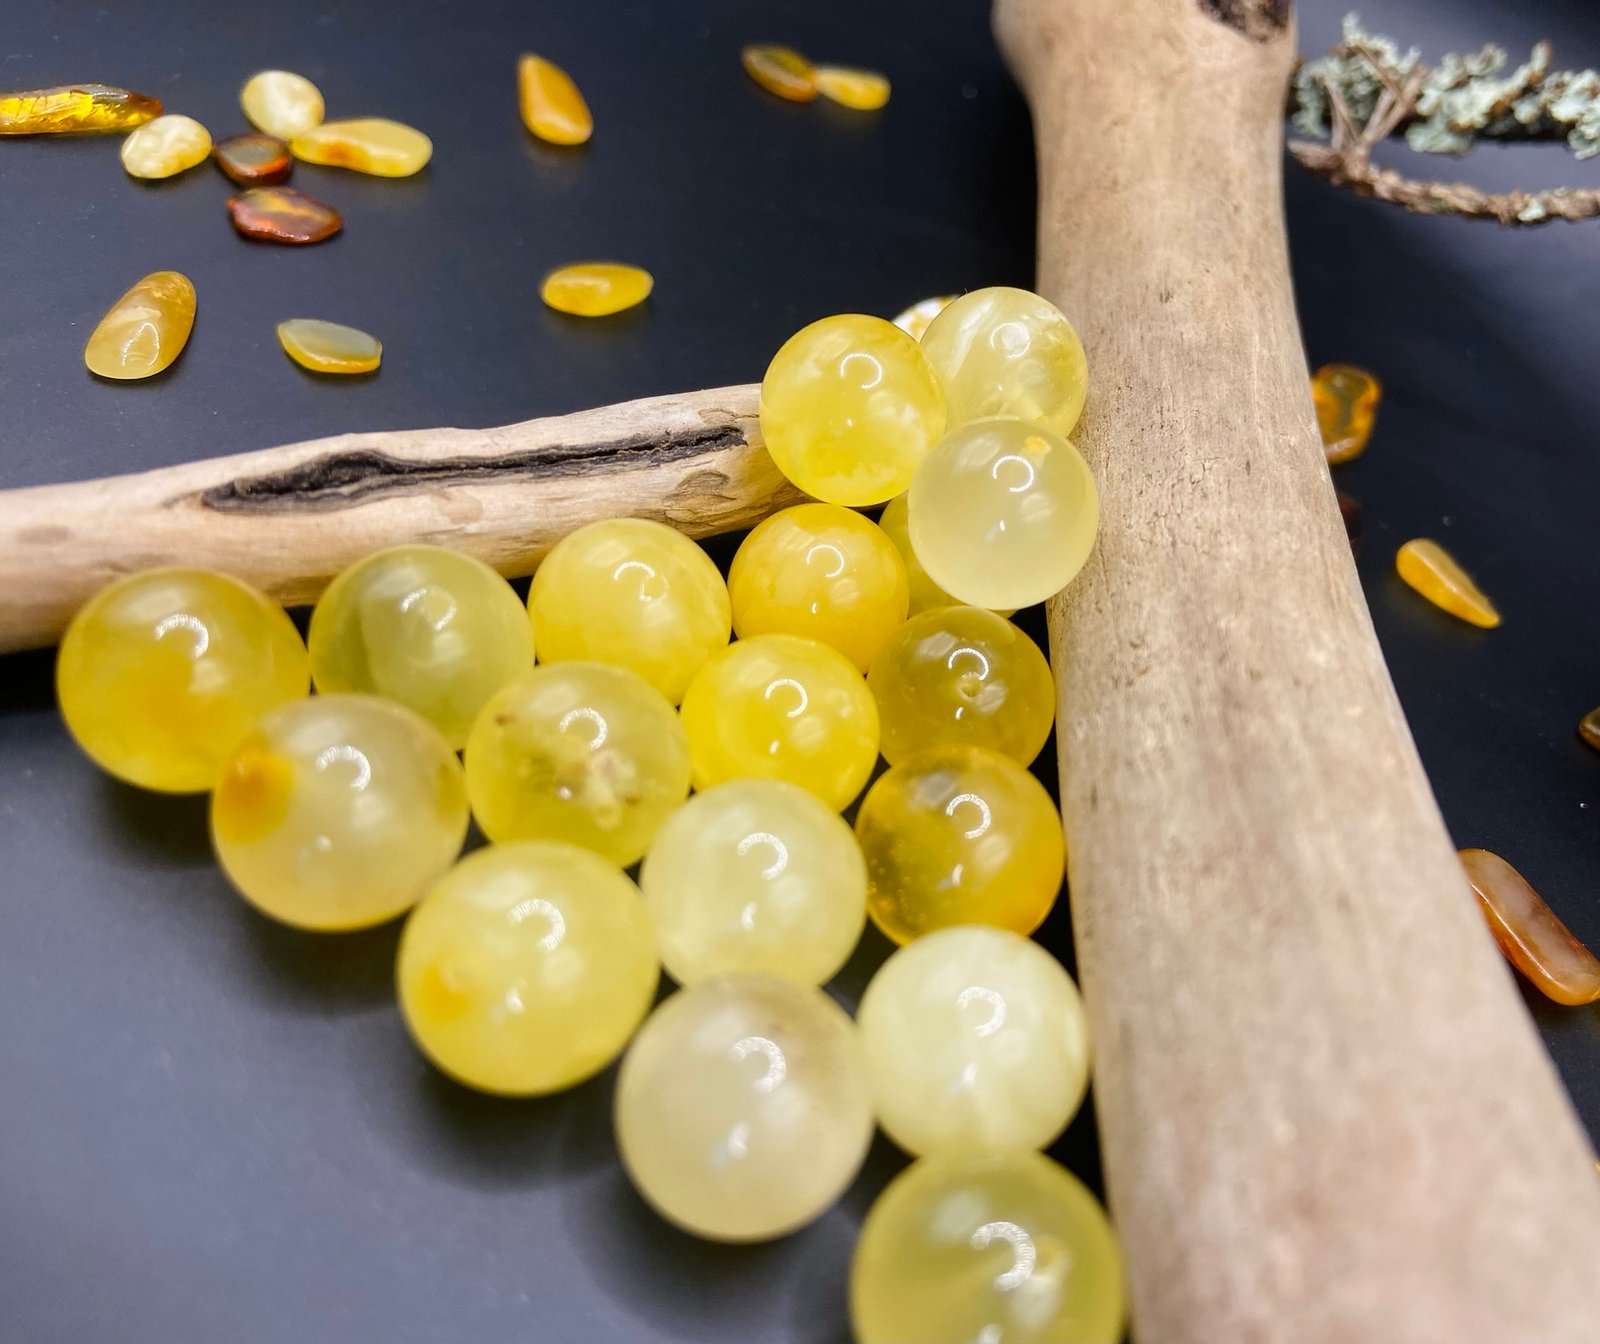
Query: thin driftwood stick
(1326,1115)
(288,519)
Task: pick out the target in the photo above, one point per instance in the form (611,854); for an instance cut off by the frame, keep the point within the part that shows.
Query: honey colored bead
(974,1036)
(145,330)
(1530,933)
(69,108)
(780,70)
(781,707)
(1430,569)
(925,593)
(860,90)
(165,147)
(281,103)
(1346,399)
(959,835)
(433,629)
(327,347)
(162,673)
(253,160)
(915,319)
(283,215)
(823,572)
(596,288)
(527,968)
(849,408)
(742,1107)
(962,676)
(986,1246)
(372,145)
(552,107)
(1589,728)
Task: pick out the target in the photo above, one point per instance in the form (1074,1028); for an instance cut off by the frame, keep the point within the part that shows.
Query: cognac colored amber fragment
(1528,931)
(75,107)
(860,90)
(253,160)
(780,70)
(1434,573)
(1346,399)
(1350,511)
(552,107)
(1589,728)
(145,330)
(283,215)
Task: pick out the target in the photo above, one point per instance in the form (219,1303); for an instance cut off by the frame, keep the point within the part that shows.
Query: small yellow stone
(327,347)
(552,107)
(281,103)
(165,147)
(145,330)
(1433,572)
(596,288)
(860,90)
(373,145)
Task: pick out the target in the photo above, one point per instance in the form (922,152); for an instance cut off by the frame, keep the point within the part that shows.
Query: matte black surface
(213,1128)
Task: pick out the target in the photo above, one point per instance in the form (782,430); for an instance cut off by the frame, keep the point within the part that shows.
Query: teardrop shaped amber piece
(283,215)
(75,107)
(552,107)
(1346,399)
(253,160)
(145,330)
(1432,571)
(1529,932)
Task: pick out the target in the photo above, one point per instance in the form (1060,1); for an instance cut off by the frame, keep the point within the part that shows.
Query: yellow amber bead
(1346,400)
(915,319)
(1427,567)
(162,673)
(849,408)
(925,593)
(959,835)
(338,812)
(526,968)
(552,107)
(823,572)
(780,70)
(327,347)
(781,707)
(145,330)
(372,145)
(861,90)
(281,103)
(633,593)
(69,108)
(596,288)
(165,147)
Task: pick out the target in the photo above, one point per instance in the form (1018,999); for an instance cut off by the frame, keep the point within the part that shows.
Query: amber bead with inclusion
(283,215)
(145,330)
(1430,569)
(253,160)
(1346,399)
(75,107)
(1530,933)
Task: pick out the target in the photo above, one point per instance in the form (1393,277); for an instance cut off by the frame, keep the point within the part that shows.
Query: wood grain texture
(1326,1114)
(288,519)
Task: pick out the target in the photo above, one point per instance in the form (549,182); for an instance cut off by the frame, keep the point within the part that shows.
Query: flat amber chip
(253,160)
(145,330)
(780,70)
(328,347)
(1346,399)
(596,288)
(1530,933)
(1432,571)
(552,107)
(283,215)
(75,107)
(860,90)
(372,145)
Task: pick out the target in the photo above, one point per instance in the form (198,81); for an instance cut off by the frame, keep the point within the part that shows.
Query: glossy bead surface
(962,676)
(433,629)
(596,288)
(552,107)
(328,347)
(781,707)
(780,70)
(859,90)
(824,572)
(959,835)
(70,108)
(1006,352)
(1530,933)
(581,752)
(986,1245)
(974,1035)
(526,968)
(145,330)
(1346,399)
(1003,514)
(281,103)
(1432,571)
(742,1107)
(253,160)
(165,147)
(755,875)
(162,673)
(925,593)
(915,319)
(373,145)
(849,409)
(338,812)
(283,215)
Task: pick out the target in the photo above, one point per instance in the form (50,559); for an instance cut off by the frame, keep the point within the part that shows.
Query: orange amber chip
(253,160)
(861,90)
(1346,399)
(1530,933)
(552,107)
(780,70)
(75,107)
(1432,571)
(1589,728)
(283,215)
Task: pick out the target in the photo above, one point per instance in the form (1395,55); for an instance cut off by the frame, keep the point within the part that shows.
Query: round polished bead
(925,593)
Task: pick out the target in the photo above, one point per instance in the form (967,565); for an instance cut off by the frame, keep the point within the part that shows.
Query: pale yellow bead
(165,147)
(281,103)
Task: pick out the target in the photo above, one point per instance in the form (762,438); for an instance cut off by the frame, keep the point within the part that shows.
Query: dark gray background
(212,1128)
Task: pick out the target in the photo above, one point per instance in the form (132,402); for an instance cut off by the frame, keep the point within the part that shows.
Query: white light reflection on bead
(350,756)
(184,621)
(964,652)
(537,905)
(970,800)
(651,585)
(1009,339)
(997,1008)
(1024,1256)
(797,688)
(872,374)
(827,552)
(431,600)
(1024,478)
(772,842)
(777,1066)
(592,716)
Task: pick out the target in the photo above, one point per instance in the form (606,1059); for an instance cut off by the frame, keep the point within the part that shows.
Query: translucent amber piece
(165,147)
(1346,399)
(372,145)
(596,288)
(915,319)
(281,103)
(780,70)
(1589,728)
(253,160)
(986,1246)
(327,347)
(862,90)
(145,330)
(283,215)
(925,593)
(552,107)
(74,107)
(1432,571)
(1530,933)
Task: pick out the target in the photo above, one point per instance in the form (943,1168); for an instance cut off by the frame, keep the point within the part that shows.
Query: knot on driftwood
(1259,20)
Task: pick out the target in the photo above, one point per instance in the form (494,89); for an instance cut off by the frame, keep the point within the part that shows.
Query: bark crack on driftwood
(1259,20)
(339,480)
